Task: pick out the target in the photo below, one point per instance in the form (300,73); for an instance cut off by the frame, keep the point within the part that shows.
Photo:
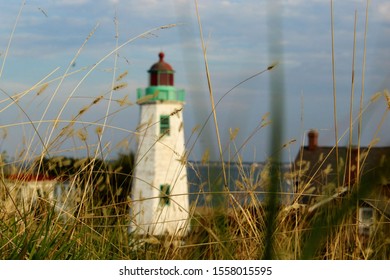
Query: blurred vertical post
(276,87)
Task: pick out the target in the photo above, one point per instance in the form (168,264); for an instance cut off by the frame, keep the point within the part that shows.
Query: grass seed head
(82,134)
(265,121)
(196,128)
(147,98)
(233,133)
(4,133)
(119,86)
(99,130)
(206,156)
(387,96)
(176,111)
(97,100)
(121,76)
(42,89)
(376,96)
(83,110)
(272,66)
(124,101)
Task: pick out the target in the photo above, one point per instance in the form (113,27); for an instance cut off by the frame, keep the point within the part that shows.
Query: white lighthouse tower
(160,203)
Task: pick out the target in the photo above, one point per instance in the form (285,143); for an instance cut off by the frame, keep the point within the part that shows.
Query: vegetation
(241,226)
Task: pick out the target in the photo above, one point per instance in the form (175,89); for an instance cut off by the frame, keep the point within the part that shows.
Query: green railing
(160,93)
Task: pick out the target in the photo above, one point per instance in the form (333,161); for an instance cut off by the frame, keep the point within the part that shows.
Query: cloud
(71,2)
(384,11)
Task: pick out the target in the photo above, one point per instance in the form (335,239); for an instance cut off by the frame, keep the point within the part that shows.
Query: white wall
(160,161)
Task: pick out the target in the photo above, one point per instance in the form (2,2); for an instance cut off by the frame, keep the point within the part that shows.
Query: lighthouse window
(164,124)
(165,192)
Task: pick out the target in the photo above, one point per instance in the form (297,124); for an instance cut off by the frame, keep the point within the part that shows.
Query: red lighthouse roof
(161,65)
(161,73)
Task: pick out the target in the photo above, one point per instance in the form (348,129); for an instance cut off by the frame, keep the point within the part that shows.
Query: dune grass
(94,223)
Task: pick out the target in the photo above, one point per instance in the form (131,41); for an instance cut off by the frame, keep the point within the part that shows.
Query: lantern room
(161,73)
(161,85)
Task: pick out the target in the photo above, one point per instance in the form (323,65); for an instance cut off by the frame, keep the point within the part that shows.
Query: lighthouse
(160,204)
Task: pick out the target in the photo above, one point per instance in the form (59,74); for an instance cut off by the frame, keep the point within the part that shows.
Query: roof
(30,177)
(161,65)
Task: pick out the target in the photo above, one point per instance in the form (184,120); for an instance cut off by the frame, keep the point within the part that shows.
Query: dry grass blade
(363,84)
(334,94)
(349,164)
(211,96)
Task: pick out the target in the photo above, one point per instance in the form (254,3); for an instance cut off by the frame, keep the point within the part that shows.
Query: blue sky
(49,34)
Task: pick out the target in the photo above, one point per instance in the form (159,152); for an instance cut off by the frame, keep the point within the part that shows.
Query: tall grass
(91,218)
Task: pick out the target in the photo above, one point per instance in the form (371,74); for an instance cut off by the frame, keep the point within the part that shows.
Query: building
(160,204)
(319,179)
(28,189)
(30,192)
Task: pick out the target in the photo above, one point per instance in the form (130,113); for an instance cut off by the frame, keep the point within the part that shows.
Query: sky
(59,56)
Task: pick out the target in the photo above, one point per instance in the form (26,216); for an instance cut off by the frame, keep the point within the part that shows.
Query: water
(246,183)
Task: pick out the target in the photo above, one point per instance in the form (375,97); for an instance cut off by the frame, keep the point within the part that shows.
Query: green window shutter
(165,193)
(164,125)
